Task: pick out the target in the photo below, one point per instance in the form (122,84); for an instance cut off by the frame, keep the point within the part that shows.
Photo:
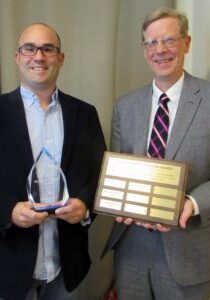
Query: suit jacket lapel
(18,123)
(143,117)
(188,105)
(69,111)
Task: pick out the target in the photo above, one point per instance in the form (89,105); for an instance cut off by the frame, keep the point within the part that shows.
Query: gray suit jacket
(187,251)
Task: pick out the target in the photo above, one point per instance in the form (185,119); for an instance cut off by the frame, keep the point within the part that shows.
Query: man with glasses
(167,119)
(45,256)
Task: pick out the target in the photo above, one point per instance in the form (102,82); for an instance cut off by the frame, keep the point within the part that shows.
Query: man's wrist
(195,205)
(86,220)
(87,215)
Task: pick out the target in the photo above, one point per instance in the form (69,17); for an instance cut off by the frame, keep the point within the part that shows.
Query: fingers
(23,216)
(162,228)
(146,225)
(126,221)
(187,212)
(73,212)
(151,227)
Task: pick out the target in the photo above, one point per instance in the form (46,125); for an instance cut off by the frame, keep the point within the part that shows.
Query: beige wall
(198,12)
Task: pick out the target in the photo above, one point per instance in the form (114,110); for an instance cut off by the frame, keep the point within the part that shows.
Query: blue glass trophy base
(50,209)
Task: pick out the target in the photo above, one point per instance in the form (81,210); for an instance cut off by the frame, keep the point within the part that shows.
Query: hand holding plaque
(46,184)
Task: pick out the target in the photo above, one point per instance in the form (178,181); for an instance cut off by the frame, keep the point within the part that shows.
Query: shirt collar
(29,98)
(173,92)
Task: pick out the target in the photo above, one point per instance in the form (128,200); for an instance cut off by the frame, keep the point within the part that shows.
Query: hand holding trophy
(46,184)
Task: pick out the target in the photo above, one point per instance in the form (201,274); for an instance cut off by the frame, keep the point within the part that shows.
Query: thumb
(186,213)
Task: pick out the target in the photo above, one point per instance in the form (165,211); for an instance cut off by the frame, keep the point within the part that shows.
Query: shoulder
(136,94)
(73,102)
(13,94)
(135,97)
(10,100)
(196,83)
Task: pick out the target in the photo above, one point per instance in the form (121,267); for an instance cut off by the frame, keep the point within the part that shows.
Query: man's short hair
(165,12)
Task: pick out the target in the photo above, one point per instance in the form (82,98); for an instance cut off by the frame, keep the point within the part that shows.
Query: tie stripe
(160,137)
(159,133)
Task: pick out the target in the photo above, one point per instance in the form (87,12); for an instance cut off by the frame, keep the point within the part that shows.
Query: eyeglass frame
(41,48)
(168,42)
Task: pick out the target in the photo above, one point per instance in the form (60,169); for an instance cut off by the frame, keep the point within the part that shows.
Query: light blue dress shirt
(45,130)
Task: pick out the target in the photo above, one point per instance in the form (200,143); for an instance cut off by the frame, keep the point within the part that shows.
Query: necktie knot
(163,99)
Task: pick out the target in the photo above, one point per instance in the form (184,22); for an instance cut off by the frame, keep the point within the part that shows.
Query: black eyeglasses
(30,50)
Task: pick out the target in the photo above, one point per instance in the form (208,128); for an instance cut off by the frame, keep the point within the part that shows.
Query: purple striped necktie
(159,133)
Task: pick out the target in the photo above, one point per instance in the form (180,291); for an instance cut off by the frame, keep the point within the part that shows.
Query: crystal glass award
(46,184)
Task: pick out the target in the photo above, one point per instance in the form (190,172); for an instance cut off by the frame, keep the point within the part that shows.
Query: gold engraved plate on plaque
(142,210)
(114,182)
(165,191)
(164,202)
(112,194)
(105,203)
(161,214)
(142,188)
(137,198)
